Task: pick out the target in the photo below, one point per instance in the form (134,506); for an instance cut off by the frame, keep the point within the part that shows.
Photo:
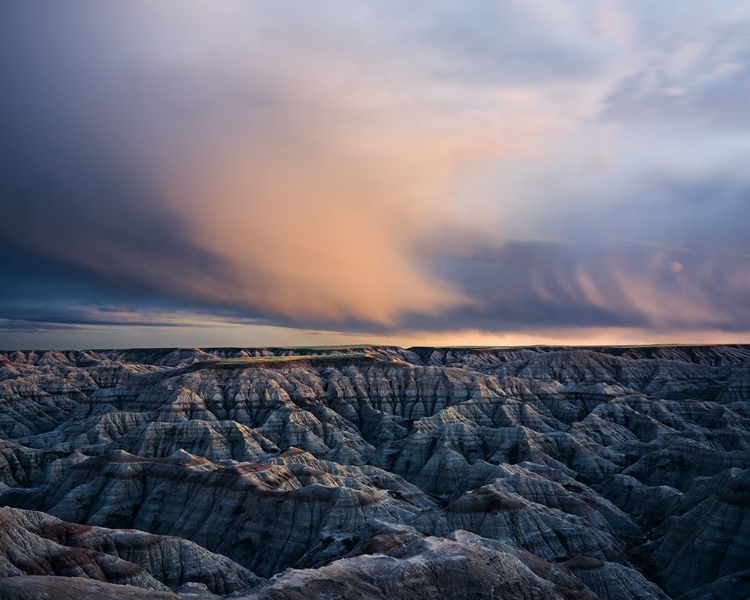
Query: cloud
(698,74)
(512,42)
(374,168)
(526,286)
(667,254)
(172,158)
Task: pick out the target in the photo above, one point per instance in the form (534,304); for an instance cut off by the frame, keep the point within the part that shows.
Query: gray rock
(601,472)
(34,543)
(66,588)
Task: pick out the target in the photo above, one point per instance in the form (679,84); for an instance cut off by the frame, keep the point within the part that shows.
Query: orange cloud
(322,211)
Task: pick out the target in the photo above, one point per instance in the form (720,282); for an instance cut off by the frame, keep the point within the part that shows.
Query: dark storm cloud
(80,208)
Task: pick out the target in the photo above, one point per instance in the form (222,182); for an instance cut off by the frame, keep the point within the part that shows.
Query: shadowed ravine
(372,472)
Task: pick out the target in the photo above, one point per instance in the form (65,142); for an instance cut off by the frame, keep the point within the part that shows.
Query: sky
(451,172)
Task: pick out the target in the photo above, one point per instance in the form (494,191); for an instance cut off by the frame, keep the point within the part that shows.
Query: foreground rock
(34,543)
(64,588)
(460,566)
(379,472)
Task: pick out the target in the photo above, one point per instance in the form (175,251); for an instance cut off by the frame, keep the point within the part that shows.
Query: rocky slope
(373,472)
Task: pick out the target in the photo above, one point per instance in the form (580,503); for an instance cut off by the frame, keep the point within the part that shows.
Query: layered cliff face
(376,472)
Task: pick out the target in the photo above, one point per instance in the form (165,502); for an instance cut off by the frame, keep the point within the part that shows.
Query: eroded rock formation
(376,472)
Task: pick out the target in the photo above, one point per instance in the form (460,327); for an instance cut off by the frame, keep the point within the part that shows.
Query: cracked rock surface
(376,472)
